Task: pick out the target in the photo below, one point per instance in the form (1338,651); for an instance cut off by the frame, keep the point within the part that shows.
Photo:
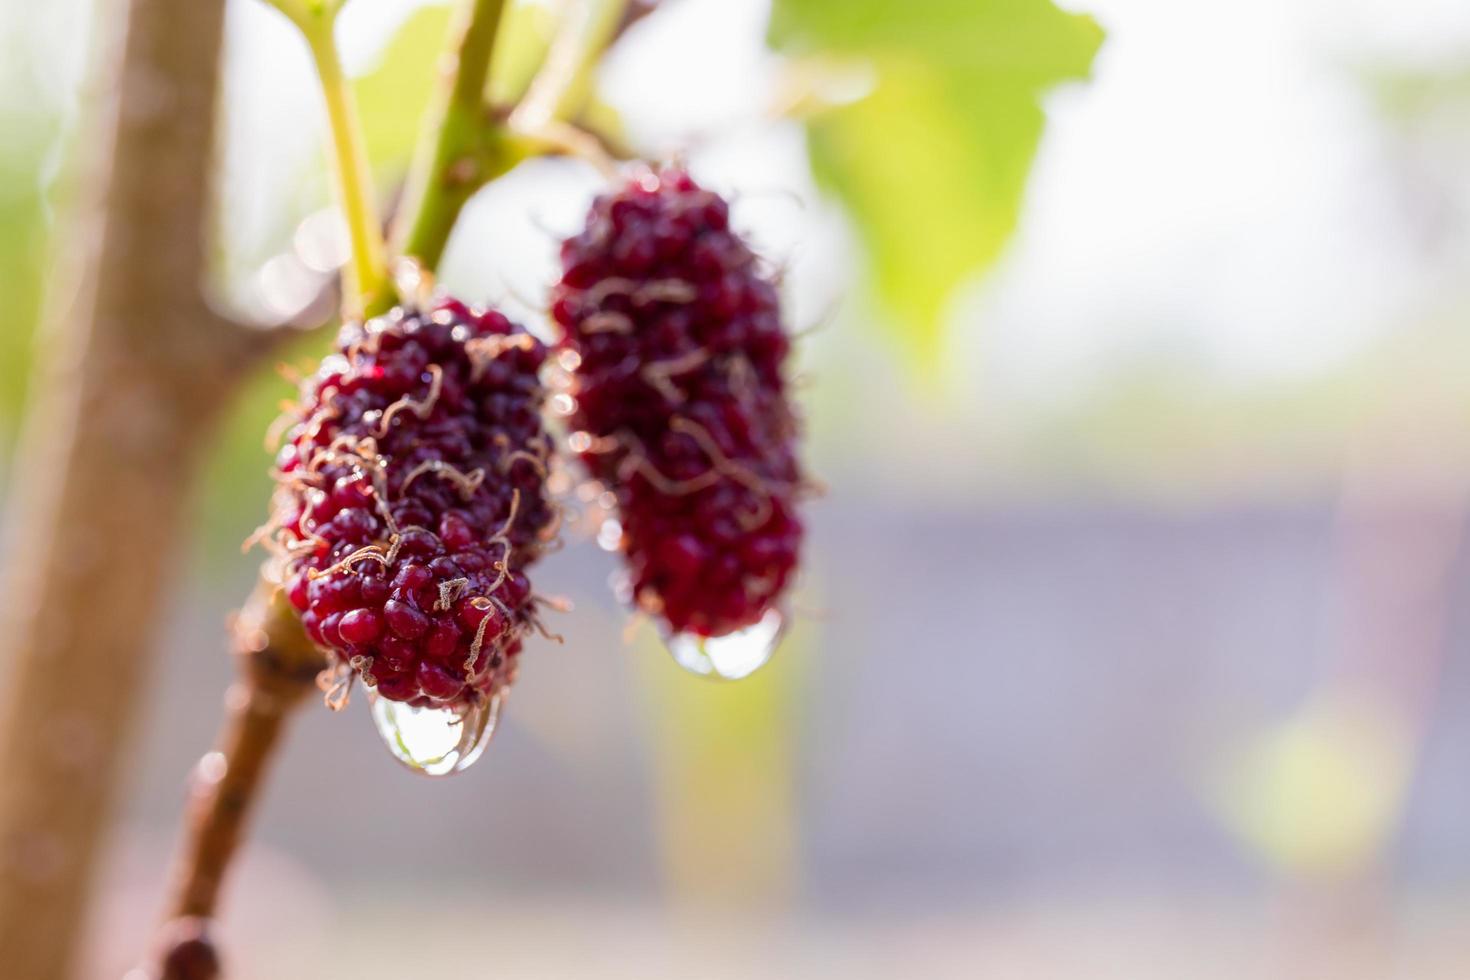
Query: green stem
(366,275)
(584,33)
(460,147)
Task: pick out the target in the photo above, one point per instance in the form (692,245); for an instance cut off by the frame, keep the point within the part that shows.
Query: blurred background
(1133,639)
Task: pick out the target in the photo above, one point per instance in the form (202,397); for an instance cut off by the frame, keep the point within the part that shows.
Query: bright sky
(1222,192)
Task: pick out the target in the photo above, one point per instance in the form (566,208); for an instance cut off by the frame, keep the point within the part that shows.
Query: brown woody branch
(278,667)
(137,370)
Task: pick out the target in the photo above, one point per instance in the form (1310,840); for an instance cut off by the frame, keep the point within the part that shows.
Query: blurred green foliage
(1412,92)
(725,777)
(31,121)
(22,253)
(392,96)
(933,162)
(931,165)
(525,36)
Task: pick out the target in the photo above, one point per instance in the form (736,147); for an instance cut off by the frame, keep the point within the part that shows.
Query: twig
(464,144)
(583,35)
(545,101)
(185,952)
(460,148)
(551,117)
(278,667)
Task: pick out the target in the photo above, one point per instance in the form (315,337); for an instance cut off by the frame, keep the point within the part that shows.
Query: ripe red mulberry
(674,339)
(412,499)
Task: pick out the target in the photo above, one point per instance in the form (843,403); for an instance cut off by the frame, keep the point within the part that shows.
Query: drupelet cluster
(412,501)
(673,337)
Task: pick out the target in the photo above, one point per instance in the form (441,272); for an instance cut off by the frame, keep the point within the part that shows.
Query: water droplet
(732,656)
(436,741)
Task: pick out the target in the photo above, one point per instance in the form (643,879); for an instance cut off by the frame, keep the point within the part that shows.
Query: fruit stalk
(548,118)
(464,145)
(366,275)
(584,33)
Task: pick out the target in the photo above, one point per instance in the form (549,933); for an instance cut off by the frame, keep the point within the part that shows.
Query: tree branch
(278,666)
(136,372)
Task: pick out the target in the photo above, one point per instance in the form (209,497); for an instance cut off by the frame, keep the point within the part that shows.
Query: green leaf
(932,163)
(1022,38)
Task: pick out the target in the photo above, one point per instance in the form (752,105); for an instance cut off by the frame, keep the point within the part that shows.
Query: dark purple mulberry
(412,499)
(674,339)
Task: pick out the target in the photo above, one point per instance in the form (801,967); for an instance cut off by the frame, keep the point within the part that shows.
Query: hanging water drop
(729,657)
(436,741)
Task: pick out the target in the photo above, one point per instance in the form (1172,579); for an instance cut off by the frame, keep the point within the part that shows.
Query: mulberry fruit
(411,501)
(673,338)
